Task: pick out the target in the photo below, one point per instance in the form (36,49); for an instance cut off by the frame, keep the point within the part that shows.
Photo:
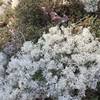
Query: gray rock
(3,59)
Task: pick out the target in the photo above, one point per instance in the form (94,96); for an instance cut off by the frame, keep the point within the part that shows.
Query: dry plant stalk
(55,3)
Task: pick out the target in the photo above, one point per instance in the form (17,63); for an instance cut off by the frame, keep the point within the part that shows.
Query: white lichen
(58,65)
(90,5)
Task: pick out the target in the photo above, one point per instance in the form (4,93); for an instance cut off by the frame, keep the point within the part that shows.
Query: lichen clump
(68,63)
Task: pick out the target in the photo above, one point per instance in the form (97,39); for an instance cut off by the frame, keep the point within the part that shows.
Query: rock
(3,58)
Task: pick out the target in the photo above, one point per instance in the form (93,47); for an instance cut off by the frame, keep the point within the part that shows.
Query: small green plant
(38,76)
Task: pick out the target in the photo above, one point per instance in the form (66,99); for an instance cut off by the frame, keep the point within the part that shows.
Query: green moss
(38,76)
(95,98)
(95,27)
